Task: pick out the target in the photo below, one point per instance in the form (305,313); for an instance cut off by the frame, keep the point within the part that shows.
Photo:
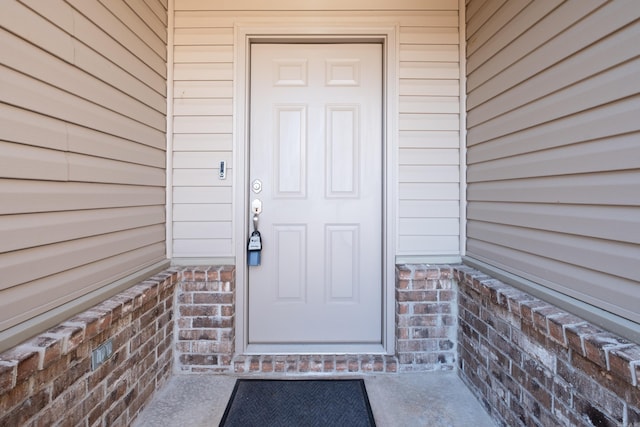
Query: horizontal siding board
(29,196)
(428,245)
(203,107)
(30,60)
(428,227)
(140,27)
(611,154)
(27,231)
(203,36)
(202,89)
(19,304)
(212,71)
(422,35)
(284,5)
(203,124)
(202,54)
(507,12)
(482,15)
(37,96)
(427,122)
(23,126)
(17,18)
(199,178)
(92,143)
(197,248)
(429,139)
(118,30)
(609,19)
(93,169)
(606,256)
(429,209)
(429,53)
(26,265)
(528,44)
(104,44)
(619,295)
(201,160)
(95,64)
(202,212)
(23,162)
(90,54)
(153,17)
(617,223)
(615,49)
(614,84)
(202,142)
(201,194)
(429,87)
(429,104)
(224,19)
(159,8)
(429,156)
(597,123)
(429,70)
(203,230)
(428,173)
(429,191)
(613,188)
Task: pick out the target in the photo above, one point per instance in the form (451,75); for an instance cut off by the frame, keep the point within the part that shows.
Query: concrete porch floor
(398,400)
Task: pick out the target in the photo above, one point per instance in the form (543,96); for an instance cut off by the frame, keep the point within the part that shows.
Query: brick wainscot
(49,379)
(529,362)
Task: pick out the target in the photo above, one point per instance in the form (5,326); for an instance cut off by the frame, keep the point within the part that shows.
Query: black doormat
(309,403)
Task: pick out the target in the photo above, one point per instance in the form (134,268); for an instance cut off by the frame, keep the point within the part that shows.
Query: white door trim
(316,30)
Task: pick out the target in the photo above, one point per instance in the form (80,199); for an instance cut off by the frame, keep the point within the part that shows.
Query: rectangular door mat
(270,403)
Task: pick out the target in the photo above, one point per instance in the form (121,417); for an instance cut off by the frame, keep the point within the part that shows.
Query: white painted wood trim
(169,150)
(462,34)
(244,34)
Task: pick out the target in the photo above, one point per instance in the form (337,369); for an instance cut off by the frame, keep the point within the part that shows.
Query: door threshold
(311,349)
(314,364)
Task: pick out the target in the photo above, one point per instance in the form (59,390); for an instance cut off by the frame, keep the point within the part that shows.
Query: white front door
(316,148)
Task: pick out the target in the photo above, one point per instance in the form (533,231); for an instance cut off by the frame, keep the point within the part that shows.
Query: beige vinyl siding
(429,118)
(553,153)
(82,149)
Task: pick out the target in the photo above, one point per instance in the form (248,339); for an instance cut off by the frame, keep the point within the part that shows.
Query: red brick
(557,325)
(576,333)
(625,362)
(71,336)
(8,374)
(27,359)
(28,408)
(527,308)
(15,396)
(198,310)
(596,347)
(540,316)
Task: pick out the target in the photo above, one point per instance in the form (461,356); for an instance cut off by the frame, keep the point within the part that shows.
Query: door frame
(316,30)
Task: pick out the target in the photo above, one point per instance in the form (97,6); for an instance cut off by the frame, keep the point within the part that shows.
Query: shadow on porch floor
(410,399)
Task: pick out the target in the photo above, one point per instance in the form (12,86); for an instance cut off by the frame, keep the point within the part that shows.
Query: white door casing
(315,30)
(316,146)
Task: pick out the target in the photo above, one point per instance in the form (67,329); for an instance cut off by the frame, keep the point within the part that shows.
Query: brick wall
(205,324)
(49,380)
(426,318)
(536,365)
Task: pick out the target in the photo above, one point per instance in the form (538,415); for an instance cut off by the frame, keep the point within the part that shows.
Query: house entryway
(436,399)
(316,191)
